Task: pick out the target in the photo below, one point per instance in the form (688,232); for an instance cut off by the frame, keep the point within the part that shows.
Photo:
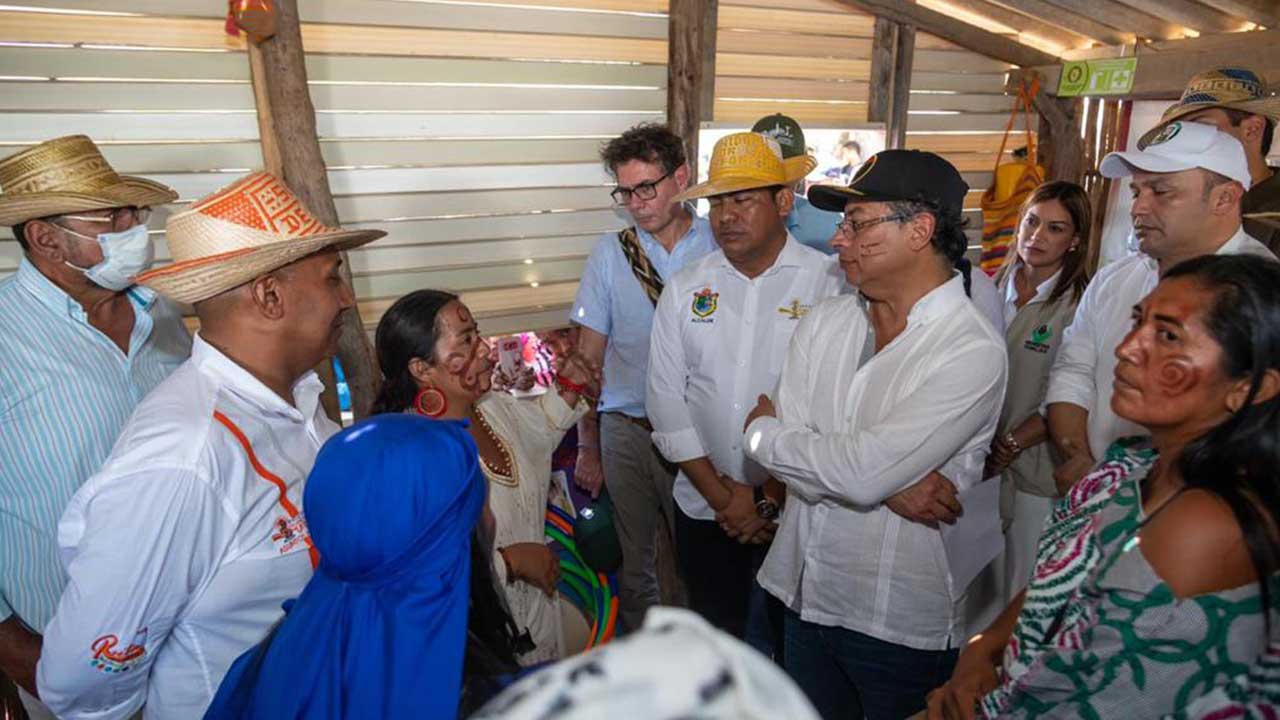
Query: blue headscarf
(380,630)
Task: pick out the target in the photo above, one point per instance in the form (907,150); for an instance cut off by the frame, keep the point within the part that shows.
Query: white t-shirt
(180,551)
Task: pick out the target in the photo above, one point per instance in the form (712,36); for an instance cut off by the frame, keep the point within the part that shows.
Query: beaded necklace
(508,476)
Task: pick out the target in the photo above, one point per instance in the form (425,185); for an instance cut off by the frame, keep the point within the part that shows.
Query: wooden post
(291,150)
(1061,148)
(892,53)
(691,49)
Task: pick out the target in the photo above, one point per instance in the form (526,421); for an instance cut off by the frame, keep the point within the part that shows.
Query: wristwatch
(765,506)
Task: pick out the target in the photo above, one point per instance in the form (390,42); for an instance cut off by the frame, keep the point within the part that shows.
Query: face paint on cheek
(1176,376)
(872,249)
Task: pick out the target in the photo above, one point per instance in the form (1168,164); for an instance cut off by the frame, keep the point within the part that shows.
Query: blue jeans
(847,674)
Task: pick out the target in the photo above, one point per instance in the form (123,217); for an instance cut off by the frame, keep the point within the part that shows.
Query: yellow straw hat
(745,161)
(69,175)
(238,233)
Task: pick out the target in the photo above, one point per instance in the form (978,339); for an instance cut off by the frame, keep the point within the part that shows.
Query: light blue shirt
(611,302)
(811,226)
(66,391)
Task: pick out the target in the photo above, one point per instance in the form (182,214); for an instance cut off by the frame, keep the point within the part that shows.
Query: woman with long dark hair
(1040,282)
(435,362)
(1156,578)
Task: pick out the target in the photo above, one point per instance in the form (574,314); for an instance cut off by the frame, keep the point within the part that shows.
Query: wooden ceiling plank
(1262,12)
(1056,16)
(948,28)
(1189,13)
(1025,22)
(1122,17)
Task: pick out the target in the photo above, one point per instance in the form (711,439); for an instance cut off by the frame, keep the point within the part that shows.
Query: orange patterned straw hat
(745,161)
(69,175)
(243,231)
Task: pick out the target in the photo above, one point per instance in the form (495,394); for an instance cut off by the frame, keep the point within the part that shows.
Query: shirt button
(737,406)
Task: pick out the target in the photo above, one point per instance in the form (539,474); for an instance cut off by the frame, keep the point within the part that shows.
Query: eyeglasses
(121,218)
(644,191)
(853,229)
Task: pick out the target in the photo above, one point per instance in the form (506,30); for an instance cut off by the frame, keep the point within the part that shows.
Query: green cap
(785,131)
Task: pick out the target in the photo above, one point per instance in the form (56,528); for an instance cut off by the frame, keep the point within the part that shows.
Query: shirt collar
(306,390)
(57,299)
(939,301)
(650,242)
(1042,290)
(1235,245)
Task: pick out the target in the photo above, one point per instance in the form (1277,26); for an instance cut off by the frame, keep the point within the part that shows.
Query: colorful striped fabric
(66,391)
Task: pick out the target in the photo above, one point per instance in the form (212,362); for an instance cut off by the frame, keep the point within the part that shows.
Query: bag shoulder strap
(641,266)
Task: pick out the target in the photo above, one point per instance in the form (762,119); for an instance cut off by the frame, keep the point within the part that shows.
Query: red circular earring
(430,402)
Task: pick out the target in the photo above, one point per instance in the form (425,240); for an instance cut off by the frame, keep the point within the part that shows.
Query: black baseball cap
(893,175)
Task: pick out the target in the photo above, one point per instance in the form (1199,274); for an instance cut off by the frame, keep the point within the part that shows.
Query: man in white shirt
(181,549)
(1187,185)
(720,334)
(878,390)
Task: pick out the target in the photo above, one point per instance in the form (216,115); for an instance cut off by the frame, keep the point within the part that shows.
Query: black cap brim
(834,198)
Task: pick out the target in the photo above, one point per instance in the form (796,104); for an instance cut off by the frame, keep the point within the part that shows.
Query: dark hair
(948,238)
(19,234)
(647,142)
(407,330)
(1075,268)
(491,635)
(1239,460)
(1268,134)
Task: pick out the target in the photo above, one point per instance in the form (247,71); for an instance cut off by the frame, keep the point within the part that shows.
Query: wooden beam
(692,25)
(1189,13)
(1025,22)
(291,149)
(1262,12)
(1162,74)
(1122,17)
(880,83)
(1061,149)
(960,33)
(1070,21)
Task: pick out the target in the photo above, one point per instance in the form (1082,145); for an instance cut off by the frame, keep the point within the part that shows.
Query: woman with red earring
(435,362)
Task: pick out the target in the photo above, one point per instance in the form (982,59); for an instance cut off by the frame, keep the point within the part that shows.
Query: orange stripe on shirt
(282,492)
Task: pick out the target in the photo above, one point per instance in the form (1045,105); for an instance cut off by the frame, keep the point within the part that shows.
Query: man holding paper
(878,390)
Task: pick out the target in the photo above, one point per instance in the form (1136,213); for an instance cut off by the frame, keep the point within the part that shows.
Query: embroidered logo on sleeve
(108,659)
(704,303)
(795,310)
(287,533)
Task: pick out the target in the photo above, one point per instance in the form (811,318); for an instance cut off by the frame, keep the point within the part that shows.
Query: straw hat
(69,175)
(238,233)
(745,161)
(1235,88)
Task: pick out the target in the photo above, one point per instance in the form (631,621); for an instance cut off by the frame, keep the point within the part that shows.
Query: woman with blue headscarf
(379,631)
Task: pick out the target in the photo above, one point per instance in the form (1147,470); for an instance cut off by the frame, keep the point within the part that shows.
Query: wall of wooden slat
(469,132)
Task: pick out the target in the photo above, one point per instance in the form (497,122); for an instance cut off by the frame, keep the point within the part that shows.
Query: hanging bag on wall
(1011,183)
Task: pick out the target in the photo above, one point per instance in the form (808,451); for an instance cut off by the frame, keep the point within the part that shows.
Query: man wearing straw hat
(720,333)
(879,389)
(182,548)
(1236,101)
(80,345)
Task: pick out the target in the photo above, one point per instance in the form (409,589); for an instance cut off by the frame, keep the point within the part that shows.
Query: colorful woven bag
(1011,183)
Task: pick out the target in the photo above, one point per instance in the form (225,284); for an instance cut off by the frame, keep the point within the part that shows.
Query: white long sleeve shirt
(1085,367)
(853,428)
(719,339)
(181,549)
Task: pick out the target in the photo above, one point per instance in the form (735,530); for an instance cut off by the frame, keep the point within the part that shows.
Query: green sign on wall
(1112,76)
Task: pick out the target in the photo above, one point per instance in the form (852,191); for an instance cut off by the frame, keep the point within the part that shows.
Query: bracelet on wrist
(1012,442)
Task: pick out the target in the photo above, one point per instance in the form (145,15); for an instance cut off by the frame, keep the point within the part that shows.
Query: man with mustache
(181,549)
(1187,186)
(720,334)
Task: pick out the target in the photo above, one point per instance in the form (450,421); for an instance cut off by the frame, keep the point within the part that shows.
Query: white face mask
(124,254)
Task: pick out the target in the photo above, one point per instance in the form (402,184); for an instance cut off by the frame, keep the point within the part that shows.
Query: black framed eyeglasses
(645,191)
(852,229)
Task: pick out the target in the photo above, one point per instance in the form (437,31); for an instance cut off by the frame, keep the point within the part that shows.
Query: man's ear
(920,231)
(268,295)
(45,240)
(681,176)
(1226,198)
(786,200)
(1252,128)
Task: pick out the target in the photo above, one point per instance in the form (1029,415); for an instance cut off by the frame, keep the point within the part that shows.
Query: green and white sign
(1111,76)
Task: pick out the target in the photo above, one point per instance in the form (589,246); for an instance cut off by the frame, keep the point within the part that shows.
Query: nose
(840,239)
(1130,348)
(1141,206)
(634,201)
(484,347)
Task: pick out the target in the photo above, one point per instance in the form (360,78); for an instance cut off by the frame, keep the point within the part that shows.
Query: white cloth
(676,666)
(181,549)
(1043,290)
(1085,367)
(706,370)
(849,434)
(985,296)
(531,428)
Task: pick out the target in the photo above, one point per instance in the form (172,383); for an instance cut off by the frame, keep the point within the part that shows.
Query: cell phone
(510,358)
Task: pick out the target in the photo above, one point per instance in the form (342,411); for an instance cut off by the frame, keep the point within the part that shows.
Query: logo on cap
(1169,132)
(864,170)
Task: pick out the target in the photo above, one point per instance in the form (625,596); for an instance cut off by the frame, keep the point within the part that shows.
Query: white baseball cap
(1183,146)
